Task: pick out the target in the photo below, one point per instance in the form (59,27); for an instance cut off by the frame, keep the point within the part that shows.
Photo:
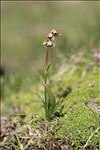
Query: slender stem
(46,65)
(91,137)
(45,80)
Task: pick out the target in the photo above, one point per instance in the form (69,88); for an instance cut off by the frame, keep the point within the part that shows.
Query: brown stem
(45,80)
(46,65)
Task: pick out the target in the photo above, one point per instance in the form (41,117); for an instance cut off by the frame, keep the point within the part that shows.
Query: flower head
(50,40)
(54,32)
(48,43)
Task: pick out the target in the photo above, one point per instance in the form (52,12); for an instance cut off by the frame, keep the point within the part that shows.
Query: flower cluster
(50,40)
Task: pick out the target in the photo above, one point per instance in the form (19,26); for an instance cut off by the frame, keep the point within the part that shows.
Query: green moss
(80,121)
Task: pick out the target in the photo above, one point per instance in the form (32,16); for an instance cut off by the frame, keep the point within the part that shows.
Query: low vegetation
(77,129)
(56,107)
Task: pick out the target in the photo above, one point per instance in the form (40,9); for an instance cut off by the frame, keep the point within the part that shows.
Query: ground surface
(82,107)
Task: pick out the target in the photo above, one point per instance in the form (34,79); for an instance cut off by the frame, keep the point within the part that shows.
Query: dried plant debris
(40,137)
(9,127)
(7,130)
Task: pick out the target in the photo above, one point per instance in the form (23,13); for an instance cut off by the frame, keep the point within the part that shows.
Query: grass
(24,26)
